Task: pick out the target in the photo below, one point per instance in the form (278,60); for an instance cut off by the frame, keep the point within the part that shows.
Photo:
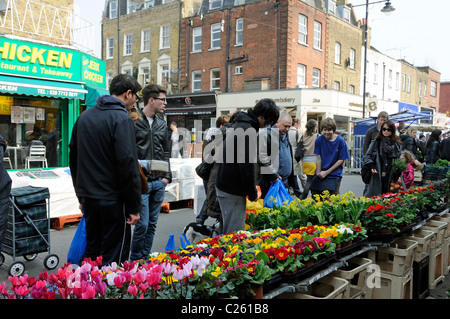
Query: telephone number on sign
(57,92)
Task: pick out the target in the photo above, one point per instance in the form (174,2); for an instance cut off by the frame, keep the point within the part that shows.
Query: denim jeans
(145,228)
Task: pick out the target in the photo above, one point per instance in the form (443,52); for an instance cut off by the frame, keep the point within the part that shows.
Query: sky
(415,31)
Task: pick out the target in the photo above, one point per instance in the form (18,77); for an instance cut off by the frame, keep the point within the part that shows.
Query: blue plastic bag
(170,243)
(78,245)
(277,195)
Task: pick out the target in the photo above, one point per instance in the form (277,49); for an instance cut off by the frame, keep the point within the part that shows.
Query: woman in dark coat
(410,142)
(382,150)
(432,147)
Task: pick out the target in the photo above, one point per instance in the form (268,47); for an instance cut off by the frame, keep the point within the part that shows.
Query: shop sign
(93,71)
(21,58)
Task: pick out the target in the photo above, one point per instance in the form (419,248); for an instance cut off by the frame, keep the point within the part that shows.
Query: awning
(93,93)
(405,116)
(37,87)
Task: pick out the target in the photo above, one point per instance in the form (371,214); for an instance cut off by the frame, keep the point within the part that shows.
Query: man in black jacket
(236,176)
(105,172)
(152,139)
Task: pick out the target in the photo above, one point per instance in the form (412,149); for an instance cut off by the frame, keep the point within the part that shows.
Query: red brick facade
(257,56)
(444,98)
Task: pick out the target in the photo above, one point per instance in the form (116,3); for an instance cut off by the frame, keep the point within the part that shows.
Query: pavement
(168,223)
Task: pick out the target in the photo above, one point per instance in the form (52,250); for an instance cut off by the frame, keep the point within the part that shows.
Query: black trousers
(107,233)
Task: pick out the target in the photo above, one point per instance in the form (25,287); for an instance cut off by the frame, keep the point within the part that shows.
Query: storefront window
(25,121)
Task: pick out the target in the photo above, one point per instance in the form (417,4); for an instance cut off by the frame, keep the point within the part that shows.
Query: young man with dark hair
(105,172)
(236,176)
(152,139)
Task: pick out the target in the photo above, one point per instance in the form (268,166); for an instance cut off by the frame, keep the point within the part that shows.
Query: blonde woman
(309,159)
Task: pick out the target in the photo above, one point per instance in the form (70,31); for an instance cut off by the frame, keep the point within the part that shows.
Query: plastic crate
(436,270)
(423,238)
(439,228)
(397,259)
(443,219)
(420,278)
(355,273)
(446,256)
(328,287)
(393,287)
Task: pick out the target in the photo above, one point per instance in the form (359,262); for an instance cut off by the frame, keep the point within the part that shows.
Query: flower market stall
(312,248)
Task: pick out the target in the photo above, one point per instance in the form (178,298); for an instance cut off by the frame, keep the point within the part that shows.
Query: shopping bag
(170,243)
(78,245)
(254,207)
(277,195)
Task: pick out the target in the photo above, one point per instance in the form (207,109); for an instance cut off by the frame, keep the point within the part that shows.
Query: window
(375,73)
(113,9)
(239,31)
(144,72)
(433,88)
(316,78)
(337,85)
(130,7)
(331,7)
(109,48)
(215,4)
(197,40)
(127,68)
(215,36)
(337,53)
(301,75)
(127,44)
(397,80)
(346,13)
(215,79)
(352,58)
(403,82)
(238,69)
(317,35)
(164,41)
(145,40)
(420,88)
(351,89)
(390,79)
(163,73)
(239,2)
(424,90)
(149,3)
(302,29)
(196,81)
(408,88)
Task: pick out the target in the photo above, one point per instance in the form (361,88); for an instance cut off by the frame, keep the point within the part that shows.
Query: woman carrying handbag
(382,150)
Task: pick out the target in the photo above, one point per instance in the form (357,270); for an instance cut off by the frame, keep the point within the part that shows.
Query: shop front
(43,89)
(195,111)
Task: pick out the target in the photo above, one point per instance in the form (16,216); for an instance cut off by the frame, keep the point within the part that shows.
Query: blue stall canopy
(407,116)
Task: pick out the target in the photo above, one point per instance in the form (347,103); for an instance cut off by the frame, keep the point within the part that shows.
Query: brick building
(148,45)
(444,98)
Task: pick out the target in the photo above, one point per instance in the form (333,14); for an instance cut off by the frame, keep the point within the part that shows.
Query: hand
(165,180)
(133,219)
(322,174)
(374,171)
(80,206)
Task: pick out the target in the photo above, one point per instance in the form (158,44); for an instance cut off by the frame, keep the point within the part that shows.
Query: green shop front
(43,90)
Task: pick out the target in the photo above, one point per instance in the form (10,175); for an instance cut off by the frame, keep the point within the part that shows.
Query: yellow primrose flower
(216,272)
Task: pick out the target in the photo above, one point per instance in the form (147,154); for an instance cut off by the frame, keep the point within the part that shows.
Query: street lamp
(386,9)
